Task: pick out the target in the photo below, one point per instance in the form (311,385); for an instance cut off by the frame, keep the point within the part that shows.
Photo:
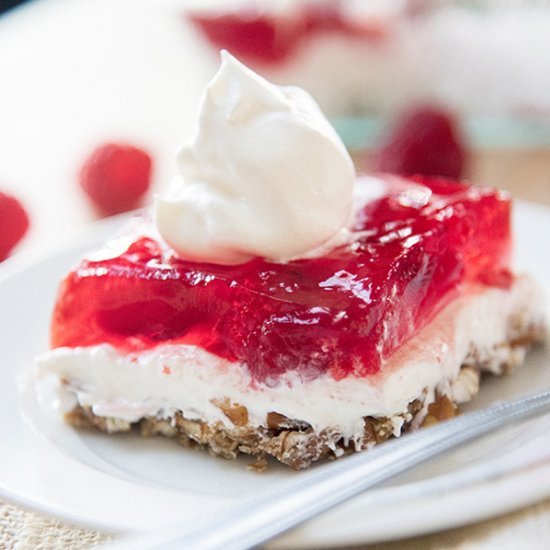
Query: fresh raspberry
(423,141)
(115,177)
(14,223)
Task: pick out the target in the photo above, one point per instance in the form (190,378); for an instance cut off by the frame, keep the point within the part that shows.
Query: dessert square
(336,313)
(307,359)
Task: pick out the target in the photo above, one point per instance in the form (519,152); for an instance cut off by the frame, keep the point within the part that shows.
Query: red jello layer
(271,37)
(413,249)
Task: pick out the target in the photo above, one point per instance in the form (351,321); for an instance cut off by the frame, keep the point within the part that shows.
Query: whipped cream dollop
(264,175)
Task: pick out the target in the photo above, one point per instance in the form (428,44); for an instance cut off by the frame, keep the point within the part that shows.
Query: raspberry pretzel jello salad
(281,305)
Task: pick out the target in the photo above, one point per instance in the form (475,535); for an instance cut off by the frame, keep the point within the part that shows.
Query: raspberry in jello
(411,250)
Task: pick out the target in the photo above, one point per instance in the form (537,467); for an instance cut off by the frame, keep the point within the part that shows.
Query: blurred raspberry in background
(14,223)
(116,177)
(424,140)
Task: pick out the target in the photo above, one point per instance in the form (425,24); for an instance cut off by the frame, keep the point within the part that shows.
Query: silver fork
(259,519)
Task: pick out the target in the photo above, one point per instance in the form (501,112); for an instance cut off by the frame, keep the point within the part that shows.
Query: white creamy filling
(187,378)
